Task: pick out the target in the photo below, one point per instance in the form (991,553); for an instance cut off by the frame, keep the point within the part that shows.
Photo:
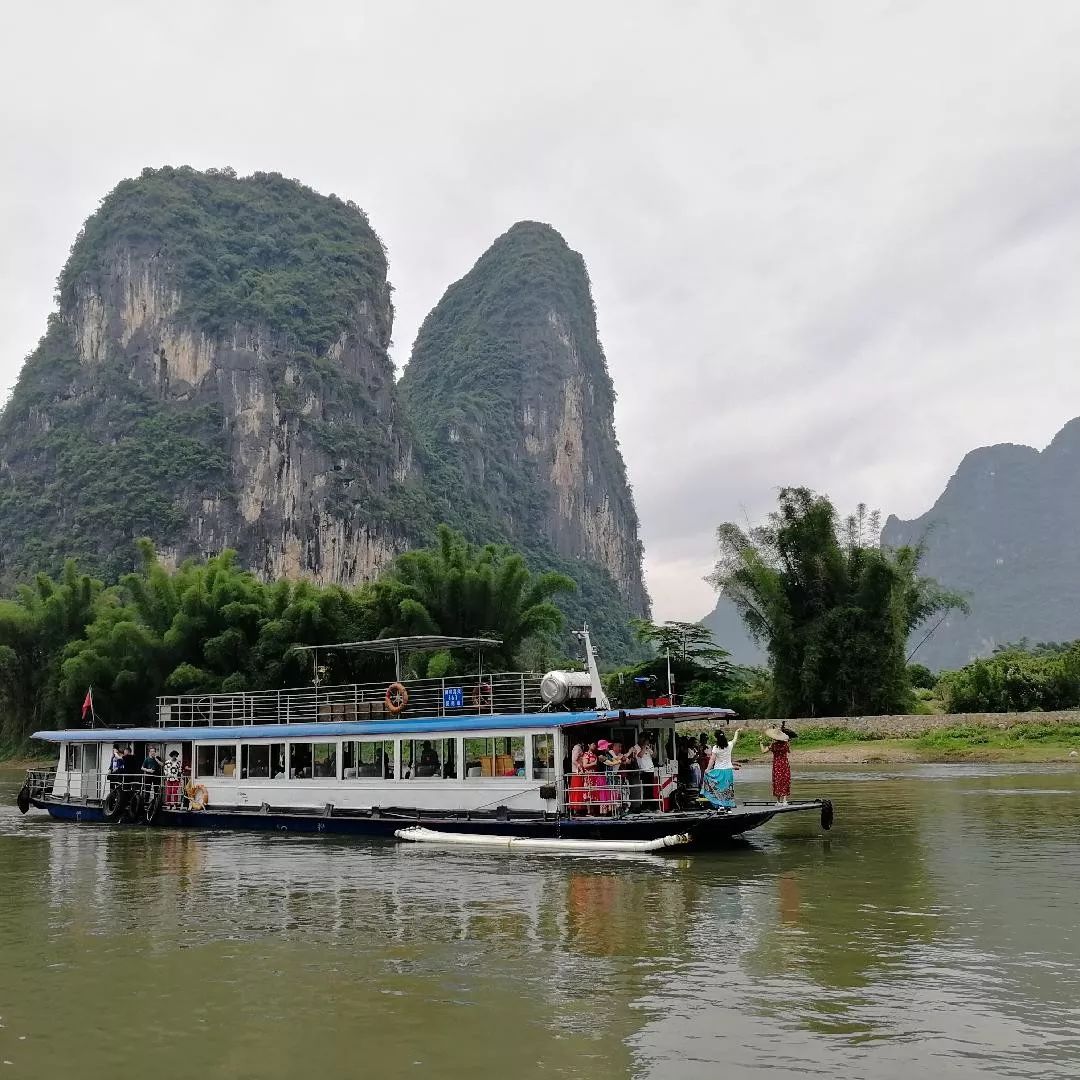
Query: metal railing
(613,794)
(40,782)
(503,692)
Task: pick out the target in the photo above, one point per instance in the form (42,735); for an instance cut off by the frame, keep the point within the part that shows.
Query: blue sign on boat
(453,697)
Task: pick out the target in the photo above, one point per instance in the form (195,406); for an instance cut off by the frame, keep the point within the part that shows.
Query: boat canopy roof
(433,725)
(417,643)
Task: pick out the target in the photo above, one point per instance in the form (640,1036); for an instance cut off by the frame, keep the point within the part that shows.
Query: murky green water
(933,932)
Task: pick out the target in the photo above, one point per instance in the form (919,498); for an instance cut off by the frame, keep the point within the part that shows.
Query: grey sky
(831,244)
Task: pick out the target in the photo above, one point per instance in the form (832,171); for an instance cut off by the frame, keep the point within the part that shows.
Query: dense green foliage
(1015,680)
(211,626)
(99,453)
(700,671)
(834,610)
(487,347)
(258,250)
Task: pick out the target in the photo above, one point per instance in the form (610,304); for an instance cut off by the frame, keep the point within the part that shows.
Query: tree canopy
(210,626)
(833,609)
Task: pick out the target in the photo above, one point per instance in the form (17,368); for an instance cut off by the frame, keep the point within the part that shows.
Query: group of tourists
(603,776)
(154,771)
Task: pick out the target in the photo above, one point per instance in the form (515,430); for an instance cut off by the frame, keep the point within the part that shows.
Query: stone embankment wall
(908,727)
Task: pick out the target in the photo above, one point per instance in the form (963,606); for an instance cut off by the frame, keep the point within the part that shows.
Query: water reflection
(933,929)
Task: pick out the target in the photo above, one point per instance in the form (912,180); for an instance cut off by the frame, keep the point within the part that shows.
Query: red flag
(88,703)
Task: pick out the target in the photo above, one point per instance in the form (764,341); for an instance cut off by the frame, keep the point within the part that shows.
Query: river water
(933,931)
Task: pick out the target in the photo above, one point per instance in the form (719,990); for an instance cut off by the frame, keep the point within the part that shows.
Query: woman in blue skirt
(718,786)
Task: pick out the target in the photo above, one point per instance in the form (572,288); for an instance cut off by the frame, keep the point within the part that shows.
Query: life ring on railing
(397,697)
(481,695)
(198,796)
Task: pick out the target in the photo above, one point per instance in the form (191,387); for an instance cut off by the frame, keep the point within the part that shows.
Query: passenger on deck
(174,772)
(718,785)
(116,766)
(644,783)
(589,762)
(152,765)
(429,760)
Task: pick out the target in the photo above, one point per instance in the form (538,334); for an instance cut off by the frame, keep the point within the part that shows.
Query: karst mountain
(216,375)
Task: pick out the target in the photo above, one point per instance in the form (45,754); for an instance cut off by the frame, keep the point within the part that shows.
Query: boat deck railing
(611,794)
(40,781)
(472,695)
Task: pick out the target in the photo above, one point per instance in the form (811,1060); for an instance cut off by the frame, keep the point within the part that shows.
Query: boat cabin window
(367,759)
(543,756)
(429,757)
(263,761)
(82,757)
(502,756)
(307,760)
(219,761)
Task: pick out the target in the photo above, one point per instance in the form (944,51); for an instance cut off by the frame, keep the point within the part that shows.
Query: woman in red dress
(779,746)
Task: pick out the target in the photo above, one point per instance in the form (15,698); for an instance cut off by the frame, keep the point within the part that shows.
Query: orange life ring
(481,694)
(198,796)
(397,697)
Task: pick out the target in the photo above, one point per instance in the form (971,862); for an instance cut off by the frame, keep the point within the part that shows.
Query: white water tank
(564,687)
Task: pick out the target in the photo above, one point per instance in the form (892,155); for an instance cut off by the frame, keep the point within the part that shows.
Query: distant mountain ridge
(1005,531)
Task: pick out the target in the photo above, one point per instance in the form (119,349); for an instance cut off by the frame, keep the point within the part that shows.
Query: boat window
(429,757)
(263,761)
(219,761)
(501,756)
(363,760)
(74,757)
(300,758)
(543,756)
(325,755)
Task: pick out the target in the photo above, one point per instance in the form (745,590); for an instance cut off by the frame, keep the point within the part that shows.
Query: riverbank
(1006,738)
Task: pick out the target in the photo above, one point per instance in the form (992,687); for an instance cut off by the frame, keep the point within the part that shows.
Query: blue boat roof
(425,725)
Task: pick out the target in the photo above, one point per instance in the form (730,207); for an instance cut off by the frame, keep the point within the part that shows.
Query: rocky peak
(1005,531)
(509,392)
(216,372)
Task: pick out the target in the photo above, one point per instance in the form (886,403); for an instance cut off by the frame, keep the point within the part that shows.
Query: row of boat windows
(447,759)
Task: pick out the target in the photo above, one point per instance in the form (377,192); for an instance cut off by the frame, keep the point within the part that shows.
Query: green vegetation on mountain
(210,626)
(261,250)
(834,609)
(1005,533)
(492,397)
(99,448)
(217,376)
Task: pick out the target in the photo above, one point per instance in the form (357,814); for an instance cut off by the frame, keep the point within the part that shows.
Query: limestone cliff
(216,376)
(1005,532)
(510,397)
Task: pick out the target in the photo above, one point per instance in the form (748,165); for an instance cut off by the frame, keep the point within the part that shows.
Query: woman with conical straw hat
(779,746)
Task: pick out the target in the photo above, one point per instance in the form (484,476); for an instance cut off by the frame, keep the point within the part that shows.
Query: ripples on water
(933,930)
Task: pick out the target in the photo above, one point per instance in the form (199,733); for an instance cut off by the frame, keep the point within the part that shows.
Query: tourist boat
(487,754)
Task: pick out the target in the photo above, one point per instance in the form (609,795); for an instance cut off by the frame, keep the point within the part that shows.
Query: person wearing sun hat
(779,746)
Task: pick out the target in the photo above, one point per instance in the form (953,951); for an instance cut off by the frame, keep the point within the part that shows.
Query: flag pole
(93,715)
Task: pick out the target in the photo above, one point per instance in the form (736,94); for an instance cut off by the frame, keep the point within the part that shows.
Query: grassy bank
(1032,741)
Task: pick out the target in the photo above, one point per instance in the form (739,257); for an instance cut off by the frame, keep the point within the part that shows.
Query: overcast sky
(832,244)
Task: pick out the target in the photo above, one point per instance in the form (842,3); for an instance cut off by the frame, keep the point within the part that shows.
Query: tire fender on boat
(113,806)
(153,807)
(826,814)
(23,799)
(133,808)
(397,697)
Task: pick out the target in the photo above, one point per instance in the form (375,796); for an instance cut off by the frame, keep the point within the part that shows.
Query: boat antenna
(597,687)
(670,686)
